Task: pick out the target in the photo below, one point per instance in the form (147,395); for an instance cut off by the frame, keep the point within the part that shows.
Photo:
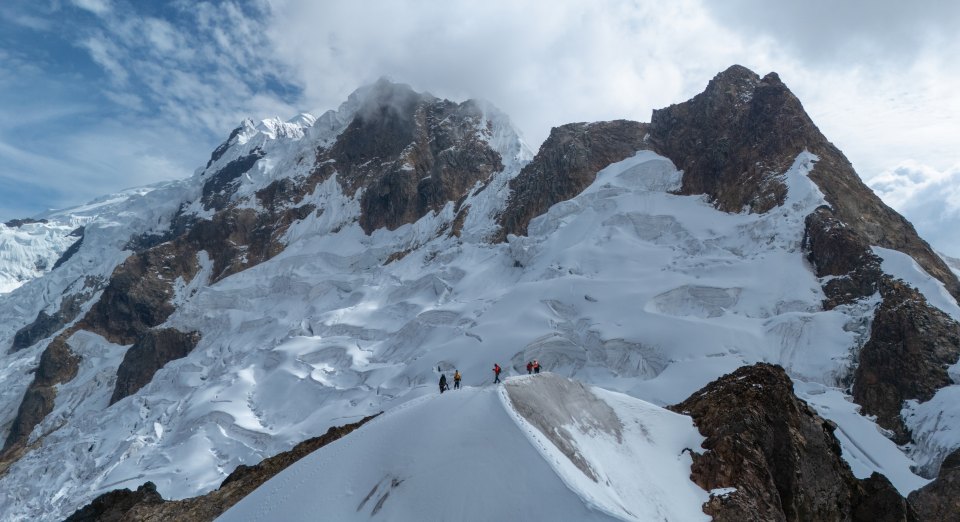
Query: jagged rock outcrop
(782,459)
(47,324)
(940,499)
(223,147)
(724,141)
(138,295)
(222,185)
(17,223)
(411,153)
(146,505)
(834,249)
(116,505)
(567,163)
(734,140)
(74,248)
(57,365)
(151,352)
(910,348)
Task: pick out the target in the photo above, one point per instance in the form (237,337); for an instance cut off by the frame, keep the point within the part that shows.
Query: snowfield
(479,454)
(626,287)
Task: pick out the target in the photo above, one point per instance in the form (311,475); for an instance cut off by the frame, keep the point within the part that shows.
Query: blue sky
(101,95)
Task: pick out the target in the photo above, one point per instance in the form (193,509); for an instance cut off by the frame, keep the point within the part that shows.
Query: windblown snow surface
(488,453)
(626,287)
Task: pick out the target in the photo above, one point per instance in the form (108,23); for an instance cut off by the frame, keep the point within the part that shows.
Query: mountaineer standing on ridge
(456,379)
(443,382)
(496,373)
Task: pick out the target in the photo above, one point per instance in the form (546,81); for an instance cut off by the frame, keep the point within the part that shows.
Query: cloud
(97,7)
(930,198)
(857,32)
(108,56)
(26,20)
(544,63)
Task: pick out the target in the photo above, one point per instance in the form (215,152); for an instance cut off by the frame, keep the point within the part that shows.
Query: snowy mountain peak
(317,270)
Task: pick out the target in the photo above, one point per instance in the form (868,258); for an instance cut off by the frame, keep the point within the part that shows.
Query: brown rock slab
(780,456)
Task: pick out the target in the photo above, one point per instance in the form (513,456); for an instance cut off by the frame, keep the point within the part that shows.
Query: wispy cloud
(930,197)
(98,7)
(108,56)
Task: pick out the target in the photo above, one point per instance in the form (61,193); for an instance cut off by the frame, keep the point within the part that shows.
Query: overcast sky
(101,95)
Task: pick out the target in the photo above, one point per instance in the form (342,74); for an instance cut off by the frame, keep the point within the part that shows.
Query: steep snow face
(31,250)
(467,455)
(623,456)
(625,286)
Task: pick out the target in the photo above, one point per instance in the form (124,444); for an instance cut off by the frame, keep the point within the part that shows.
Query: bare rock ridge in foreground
(145,504)
(780,456)
(940,500)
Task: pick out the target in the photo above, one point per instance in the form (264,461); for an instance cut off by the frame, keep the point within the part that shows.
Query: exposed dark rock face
(146,505)
(218,190)
(567,163)
(411,153)
(733,140)
(57,365)
(137,297)
(150,353)
(17,223)
(223,147)
(940,499)
(115,506)
(780,456)
(834,249)
(861,209)
(46,324)
(911,345)
(73,249)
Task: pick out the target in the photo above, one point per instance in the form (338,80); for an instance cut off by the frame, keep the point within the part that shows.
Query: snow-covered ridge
(467,455)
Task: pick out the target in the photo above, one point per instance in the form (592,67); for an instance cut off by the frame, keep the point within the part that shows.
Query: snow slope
(626,286)
(30,250)
(474,454)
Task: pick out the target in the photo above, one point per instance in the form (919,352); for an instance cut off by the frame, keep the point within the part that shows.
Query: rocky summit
(713,294)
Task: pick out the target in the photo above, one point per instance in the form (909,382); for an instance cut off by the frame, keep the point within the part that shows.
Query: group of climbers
(456,381)
(532,367)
